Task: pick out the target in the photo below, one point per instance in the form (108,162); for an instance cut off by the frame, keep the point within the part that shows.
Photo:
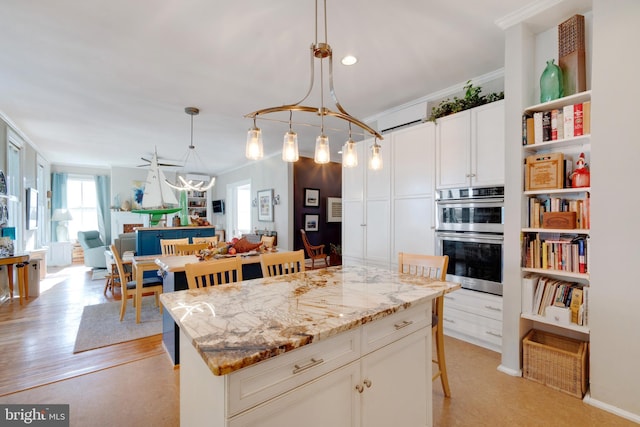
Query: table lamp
(61,216)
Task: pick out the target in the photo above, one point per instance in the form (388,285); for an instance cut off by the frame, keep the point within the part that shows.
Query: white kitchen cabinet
(470,147)
(376,375)
(366,208)
(391,210)
(413,168)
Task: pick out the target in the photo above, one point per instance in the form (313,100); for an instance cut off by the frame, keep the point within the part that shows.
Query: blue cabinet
(148,239)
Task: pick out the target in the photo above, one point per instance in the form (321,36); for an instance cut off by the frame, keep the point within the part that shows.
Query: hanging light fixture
(375,161)
(321,51)
(290,144)
(349,153)
(183,182)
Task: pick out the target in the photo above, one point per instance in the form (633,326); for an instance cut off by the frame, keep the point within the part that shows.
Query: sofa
(93,248)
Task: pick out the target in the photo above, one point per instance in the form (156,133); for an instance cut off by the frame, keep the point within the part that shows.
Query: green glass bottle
(551,82)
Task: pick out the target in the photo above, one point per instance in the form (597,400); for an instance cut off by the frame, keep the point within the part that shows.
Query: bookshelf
(556,258)
(197,202)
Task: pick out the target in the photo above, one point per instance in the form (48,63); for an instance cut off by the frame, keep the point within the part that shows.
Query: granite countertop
(236,325)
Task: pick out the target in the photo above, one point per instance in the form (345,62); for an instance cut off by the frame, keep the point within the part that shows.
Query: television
(218,206)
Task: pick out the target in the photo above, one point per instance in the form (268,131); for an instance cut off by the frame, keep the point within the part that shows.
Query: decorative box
(544,171)
(563,220)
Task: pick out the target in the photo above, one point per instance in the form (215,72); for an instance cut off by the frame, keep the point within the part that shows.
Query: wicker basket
(555,361)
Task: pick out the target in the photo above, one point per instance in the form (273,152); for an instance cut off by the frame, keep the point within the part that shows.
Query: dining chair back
(168,246)
(279,263)
(435,267)
(150,284)
(215,272)
(190,248)
(211,240)
(315,252)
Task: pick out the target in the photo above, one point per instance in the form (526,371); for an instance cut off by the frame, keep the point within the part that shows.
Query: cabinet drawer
(391,328)
(475,303)
(273,377)
(469,327)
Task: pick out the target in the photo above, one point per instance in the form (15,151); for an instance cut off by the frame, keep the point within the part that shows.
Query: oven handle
(470,237)
(470,202)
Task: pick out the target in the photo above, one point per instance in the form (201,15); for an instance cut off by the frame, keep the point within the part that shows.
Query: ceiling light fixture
(184,183)
(349,153)
(349,60)
(321,51)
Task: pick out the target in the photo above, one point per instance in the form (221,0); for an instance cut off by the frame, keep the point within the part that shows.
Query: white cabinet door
(331,400)
(487,145)
(414,226)
(353,178)
(397,383)
(377,231)
(353,227)
(413,160)
(453,151)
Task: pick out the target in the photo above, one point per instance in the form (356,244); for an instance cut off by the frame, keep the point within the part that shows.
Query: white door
(488,144)
(398,383)
(453,153)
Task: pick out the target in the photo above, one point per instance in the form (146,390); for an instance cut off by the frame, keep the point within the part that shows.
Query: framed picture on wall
(311,197)
(311,222)
(265,205)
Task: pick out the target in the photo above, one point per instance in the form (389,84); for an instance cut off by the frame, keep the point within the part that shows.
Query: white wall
(268,173)
(615,150)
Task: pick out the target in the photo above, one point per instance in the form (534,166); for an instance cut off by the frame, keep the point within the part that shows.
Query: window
(239,208)
(82,204)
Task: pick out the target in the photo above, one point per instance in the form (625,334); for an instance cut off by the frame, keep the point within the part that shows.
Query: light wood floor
(135,384)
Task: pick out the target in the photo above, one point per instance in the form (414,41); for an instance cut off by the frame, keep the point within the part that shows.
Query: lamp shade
(61,215)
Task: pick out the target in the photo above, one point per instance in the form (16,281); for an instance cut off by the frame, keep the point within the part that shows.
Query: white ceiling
(100,83)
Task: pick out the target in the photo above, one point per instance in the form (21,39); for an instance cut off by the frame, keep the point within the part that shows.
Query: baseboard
(509,371)
(610,408)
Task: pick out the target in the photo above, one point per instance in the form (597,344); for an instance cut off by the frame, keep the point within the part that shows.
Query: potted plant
(472,98)
(335,254)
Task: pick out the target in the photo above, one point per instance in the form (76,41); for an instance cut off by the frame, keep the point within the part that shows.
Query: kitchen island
(343,346)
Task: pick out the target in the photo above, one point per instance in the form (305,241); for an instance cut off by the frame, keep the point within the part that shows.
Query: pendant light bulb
(254,149)
(375,161)
(290,147)
(349,154)
(322,154)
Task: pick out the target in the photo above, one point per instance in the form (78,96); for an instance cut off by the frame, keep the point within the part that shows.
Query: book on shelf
(552,251)
(529,285)
(559,123)
(545,292)
(539,206)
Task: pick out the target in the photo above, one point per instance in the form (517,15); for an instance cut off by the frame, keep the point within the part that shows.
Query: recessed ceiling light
(349,60)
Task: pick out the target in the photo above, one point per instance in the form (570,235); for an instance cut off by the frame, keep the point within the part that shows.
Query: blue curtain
(104,208)
(58,198)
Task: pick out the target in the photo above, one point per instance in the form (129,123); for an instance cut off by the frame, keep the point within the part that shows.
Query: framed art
(311,197)
(311,222)
(265,205)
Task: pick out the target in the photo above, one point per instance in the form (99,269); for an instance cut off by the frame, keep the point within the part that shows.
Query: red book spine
(577,120)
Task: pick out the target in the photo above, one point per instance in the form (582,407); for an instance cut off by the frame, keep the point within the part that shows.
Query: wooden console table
(21,262)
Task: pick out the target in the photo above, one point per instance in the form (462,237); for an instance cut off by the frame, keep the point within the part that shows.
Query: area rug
(100,325)
(99,274)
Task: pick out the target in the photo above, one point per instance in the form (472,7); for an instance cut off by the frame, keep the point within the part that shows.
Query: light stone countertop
(236,325)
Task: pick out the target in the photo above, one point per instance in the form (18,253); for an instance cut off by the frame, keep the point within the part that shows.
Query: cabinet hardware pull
(359,388)
(494,334)
(492,308)
(367,382)
(314,362)
(404,324)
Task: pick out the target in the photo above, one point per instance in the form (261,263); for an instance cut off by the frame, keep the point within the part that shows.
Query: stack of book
(559,123)
(538,206)
(555,252)
(541,292)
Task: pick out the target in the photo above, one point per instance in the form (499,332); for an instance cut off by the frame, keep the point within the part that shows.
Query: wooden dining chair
(168,246)
(214,272)
(435,267)
(279,263)
(315,252)
(149,284)
(190,248)
(211,240)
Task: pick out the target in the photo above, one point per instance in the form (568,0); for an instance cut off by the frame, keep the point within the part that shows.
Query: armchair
(93,248)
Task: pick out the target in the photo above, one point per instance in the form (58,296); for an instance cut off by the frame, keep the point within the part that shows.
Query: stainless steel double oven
(470,230)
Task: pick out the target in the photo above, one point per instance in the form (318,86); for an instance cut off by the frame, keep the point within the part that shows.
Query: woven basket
(555,361)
